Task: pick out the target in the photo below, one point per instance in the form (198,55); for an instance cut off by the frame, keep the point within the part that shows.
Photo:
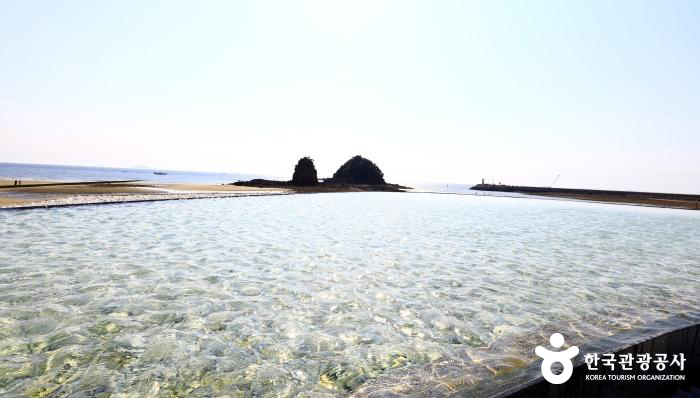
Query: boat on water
(160,173)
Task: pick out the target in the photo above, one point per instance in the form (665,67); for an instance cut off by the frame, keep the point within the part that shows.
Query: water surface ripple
(324,295)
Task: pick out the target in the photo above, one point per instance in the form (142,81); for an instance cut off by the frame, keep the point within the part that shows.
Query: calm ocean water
(82,173)
(324,295)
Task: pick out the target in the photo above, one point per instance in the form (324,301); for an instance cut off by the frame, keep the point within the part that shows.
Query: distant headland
(357,174)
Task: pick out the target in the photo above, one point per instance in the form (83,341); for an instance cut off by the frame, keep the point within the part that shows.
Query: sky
(604,94)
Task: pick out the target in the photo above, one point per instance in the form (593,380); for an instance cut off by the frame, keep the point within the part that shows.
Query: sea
(327,295)
(85,173)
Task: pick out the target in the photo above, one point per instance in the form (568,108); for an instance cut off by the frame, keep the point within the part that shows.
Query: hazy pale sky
(604,93)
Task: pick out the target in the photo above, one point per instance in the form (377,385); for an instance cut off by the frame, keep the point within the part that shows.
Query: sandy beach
(26,195)
(650,202)
(633,198)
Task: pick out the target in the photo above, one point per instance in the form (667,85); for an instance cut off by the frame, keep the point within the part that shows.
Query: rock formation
(359,170)
(305,173)
(357,174)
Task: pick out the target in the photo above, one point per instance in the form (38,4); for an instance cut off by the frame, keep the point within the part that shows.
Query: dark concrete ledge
(685,340)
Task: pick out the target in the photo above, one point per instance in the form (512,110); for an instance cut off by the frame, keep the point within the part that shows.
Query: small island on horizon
(358,174)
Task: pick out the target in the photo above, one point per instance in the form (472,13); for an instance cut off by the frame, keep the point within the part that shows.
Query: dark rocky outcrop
(359,170)
(356,175)
(262,183)
(305,173)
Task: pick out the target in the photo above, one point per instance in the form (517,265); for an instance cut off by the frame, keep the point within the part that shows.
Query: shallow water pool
(325,294)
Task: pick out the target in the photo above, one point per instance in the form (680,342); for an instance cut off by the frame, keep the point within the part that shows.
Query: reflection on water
(324,295)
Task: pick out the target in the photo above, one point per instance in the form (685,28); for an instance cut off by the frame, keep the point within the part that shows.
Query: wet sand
(12,196)
(652,202)
(651,199)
